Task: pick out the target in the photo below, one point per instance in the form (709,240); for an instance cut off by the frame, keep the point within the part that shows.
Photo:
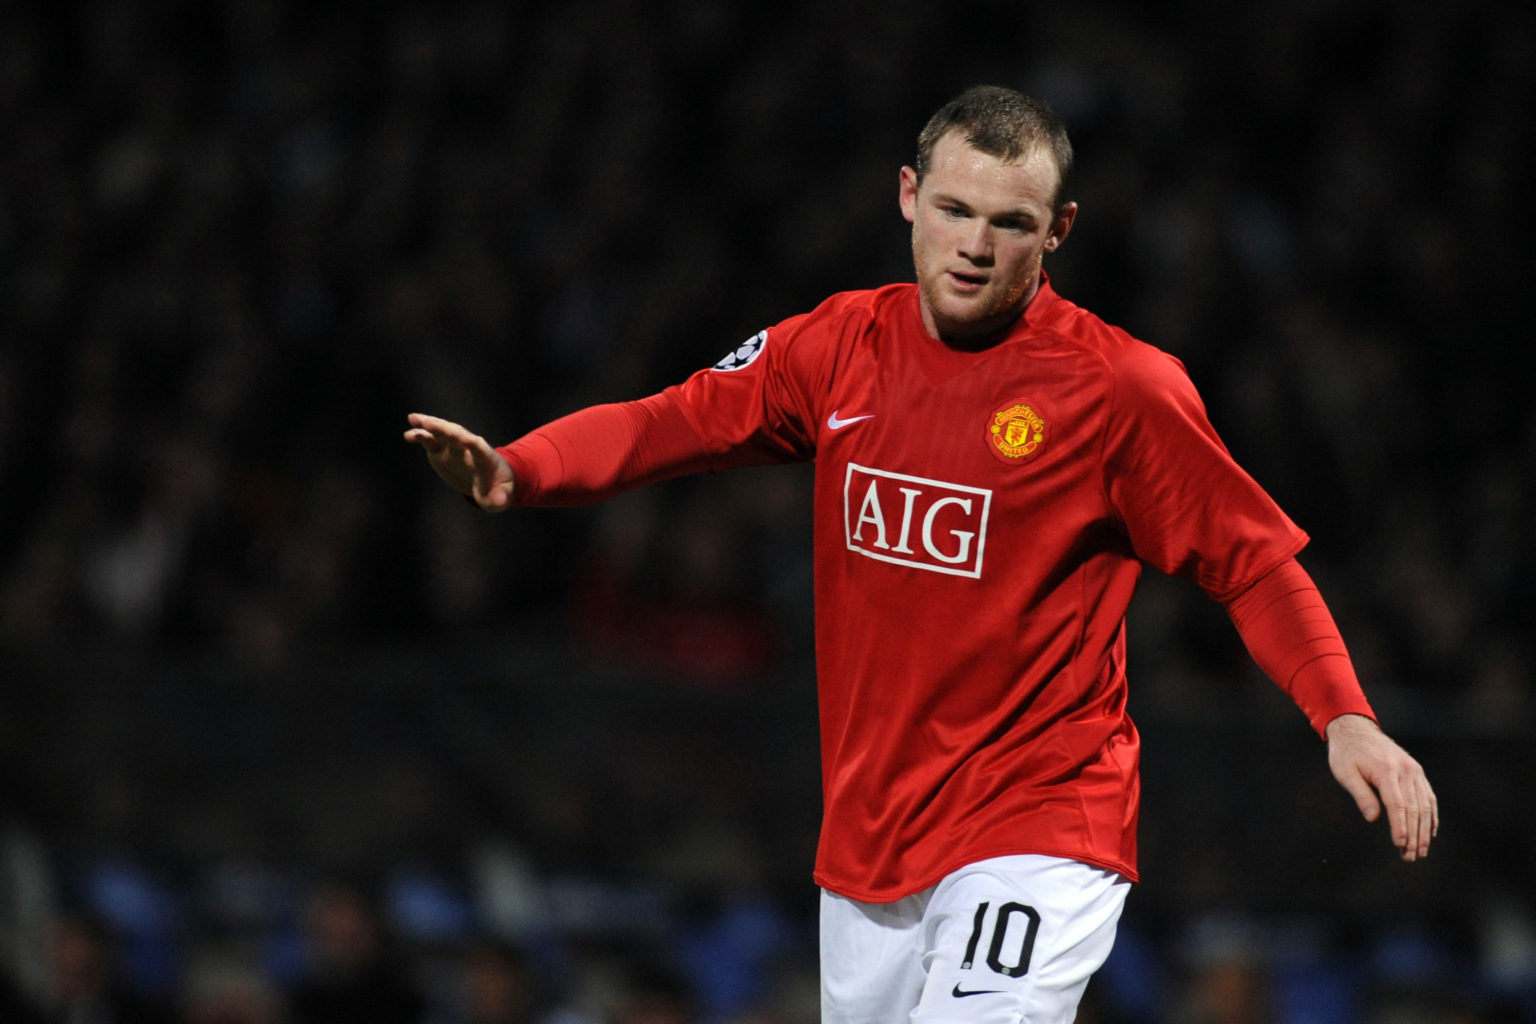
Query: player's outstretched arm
(1378,773)
(464,459)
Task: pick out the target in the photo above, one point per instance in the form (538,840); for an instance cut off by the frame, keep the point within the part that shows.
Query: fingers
(441,430)
(464,460)
(421,419)
(497,499)
(425,438)
(446,439)
(1365,797)
(1428,808)
(1434,812)
(1382,776)
(1412,810)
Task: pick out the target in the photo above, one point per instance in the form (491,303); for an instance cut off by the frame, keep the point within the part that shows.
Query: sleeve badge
(744,354)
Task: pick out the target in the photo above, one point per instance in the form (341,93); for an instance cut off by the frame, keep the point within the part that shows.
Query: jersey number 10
(1005,915)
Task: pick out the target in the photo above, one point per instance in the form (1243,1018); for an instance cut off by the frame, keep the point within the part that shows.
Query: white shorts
(1002,941)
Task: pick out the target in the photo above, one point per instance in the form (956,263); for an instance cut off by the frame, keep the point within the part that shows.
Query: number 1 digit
(970,947)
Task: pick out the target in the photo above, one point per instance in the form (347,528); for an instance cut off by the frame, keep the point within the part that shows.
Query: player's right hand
(465,461)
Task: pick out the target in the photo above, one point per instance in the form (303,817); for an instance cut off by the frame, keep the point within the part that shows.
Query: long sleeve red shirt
(981,520)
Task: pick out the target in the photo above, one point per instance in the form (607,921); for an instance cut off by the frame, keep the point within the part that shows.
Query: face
(980,227)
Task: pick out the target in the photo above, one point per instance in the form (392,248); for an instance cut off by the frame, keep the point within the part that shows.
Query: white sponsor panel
(912,520)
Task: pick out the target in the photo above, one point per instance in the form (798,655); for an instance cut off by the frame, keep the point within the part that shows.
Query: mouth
(962,281)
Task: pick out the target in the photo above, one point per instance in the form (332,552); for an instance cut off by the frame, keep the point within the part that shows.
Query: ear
(1061,227)
(908,193)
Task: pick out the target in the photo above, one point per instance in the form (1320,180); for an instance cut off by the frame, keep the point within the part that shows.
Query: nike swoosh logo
(837,424)
(960,993)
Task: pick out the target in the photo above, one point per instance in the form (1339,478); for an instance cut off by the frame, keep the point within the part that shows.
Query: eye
(953,212)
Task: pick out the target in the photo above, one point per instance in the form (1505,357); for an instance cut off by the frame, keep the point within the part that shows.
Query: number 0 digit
(1005,915)
(1000,931)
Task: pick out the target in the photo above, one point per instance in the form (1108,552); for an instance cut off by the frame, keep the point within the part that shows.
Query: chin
(968,318)
(964,317)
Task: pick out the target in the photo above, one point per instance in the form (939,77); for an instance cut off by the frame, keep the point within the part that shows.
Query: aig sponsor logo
(911,520)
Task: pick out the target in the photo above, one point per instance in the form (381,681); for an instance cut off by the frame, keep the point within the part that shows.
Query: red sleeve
(751,408)
(1188,508)
(602,451)
(1288,629)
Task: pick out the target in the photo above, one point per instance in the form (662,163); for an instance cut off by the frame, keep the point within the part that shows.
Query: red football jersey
(980,523)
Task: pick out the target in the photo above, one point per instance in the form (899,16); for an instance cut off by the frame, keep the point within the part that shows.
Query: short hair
(1003,123)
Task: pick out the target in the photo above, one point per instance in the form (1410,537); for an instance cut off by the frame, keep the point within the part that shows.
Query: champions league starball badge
(745,354)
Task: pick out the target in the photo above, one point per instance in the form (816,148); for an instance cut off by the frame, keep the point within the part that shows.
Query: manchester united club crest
(1016,433)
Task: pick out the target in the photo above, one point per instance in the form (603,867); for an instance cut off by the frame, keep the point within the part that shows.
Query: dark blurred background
(288,734)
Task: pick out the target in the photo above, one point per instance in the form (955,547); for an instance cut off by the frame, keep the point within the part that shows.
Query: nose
(975,244)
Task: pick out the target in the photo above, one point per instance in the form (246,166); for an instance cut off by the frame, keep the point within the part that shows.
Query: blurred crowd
(240,240)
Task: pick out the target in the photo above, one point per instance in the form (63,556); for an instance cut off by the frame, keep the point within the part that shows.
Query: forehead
(962,171)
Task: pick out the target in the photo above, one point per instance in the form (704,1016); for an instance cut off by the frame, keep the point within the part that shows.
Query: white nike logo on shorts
(836,424)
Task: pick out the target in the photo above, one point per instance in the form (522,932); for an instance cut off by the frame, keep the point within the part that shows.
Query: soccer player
(994,465)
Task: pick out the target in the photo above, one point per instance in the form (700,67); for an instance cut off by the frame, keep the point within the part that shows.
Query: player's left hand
(1377,772)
